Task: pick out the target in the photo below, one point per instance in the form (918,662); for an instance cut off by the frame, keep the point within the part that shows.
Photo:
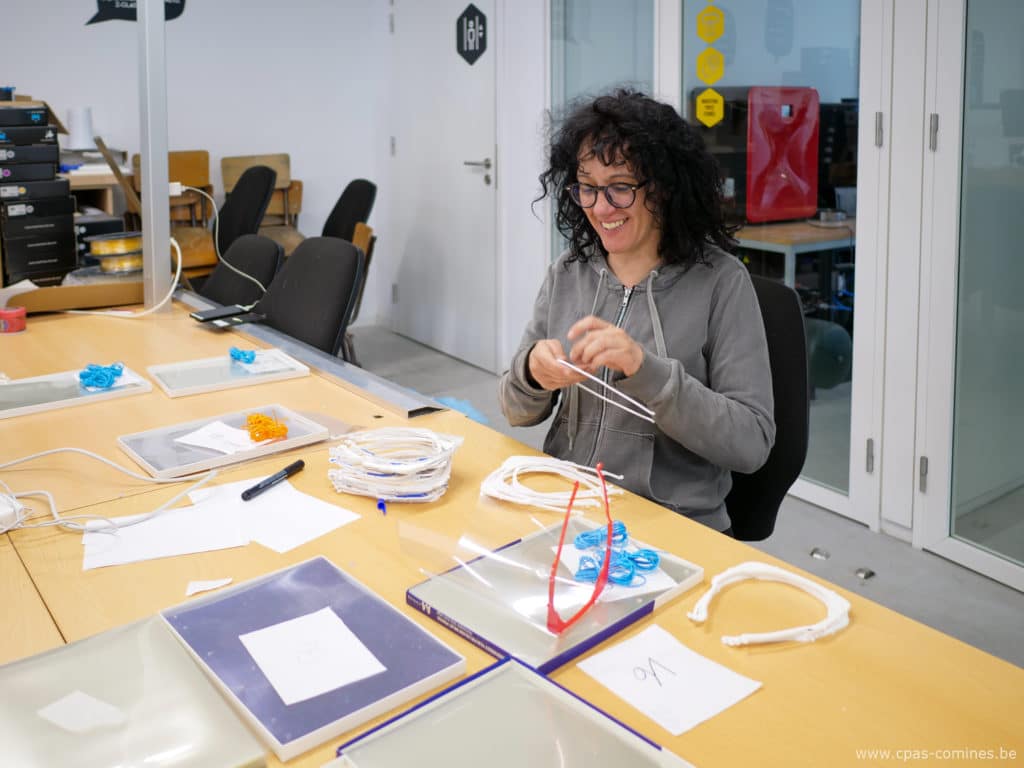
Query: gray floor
(918,584)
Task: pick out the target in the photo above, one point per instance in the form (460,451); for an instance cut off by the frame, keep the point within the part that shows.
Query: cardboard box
(28,134)
(32,153)
(34,190)
(61,297)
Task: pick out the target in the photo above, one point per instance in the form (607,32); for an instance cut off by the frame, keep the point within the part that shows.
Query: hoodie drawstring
(574,392)
(659,333)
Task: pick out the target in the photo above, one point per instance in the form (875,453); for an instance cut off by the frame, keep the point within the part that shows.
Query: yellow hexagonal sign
(710,107)
(710,66)
(710,24)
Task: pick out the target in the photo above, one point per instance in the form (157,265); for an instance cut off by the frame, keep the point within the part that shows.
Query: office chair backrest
(753,503)
(244,207)
(353,206)
(256,256)
(312,297)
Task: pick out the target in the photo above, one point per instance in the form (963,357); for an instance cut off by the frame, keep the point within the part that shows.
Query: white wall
(307,77)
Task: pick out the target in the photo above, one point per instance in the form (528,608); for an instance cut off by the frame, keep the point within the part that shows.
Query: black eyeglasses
(618,195)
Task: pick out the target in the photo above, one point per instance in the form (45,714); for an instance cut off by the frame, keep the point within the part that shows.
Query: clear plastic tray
(157,452)
(130,696)
(61,390)
(499,601)
(507,716)
(193,377)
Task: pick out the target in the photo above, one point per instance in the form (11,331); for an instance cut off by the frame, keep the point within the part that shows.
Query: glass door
(759,76)
(971,464)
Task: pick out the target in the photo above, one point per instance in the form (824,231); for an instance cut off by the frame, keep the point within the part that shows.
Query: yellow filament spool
(116,244)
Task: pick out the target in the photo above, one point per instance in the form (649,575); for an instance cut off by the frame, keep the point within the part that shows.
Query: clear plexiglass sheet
(507,716)
(158,452)
(500,600)
(130,696)
(193,377)
(62,390)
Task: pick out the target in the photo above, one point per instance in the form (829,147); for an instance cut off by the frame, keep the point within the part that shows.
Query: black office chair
(353,206)
(753,503)
(243,209)
(255,255)
(312,297)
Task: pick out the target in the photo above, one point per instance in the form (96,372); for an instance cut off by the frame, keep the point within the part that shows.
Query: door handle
(485,163)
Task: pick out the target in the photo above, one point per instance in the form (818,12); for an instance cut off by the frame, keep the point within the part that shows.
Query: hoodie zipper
(627,294)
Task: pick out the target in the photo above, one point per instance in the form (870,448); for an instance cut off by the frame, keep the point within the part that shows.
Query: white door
(445,175)
(969,481)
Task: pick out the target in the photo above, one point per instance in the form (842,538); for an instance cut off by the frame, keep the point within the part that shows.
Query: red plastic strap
(556,623)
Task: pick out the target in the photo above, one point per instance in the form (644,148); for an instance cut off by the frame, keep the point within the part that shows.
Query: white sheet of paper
(280,519)
(655,581)
(675,687)
(178,531)
(79,712)
(310,655)
(195,587)
(218,436)
(265,362)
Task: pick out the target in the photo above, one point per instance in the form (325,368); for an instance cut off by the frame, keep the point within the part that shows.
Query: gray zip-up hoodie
(705,374)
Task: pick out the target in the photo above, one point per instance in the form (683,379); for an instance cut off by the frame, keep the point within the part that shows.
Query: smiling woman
(647,298)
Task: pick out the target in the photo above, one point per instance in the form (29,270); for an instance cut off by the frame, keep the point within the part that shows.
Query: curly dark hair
(683,192)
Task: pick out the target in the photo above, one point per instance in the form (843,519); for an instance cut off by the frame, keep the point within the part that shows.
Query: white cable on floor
(393,464)
(503,483)
(838,607)
(12,511)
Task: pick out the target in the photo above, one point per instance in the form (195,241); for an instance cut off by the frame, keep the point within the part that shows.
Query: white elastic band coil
(503,483)
(838,607)
(644,412)
(404,464)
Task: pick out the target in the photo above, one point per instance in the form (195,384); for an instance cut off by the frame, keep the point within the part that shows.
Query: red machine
(782,153)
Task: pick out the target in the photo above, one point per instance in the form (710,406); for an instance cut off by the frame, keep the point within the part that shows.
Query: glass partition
(988,462)
(774,86)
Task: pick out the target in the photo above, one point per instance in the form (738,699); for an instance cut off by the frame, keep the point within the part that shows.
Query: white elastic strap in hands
(503,483)
(644,413)
(838,607)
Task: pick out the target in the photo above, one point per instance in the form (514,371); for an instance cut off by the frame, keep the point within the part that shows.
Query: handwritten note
(310,655)
(675,687)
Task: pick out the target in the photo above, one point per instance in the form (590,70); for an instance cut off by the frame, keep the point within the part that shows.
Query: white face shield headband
(838,608)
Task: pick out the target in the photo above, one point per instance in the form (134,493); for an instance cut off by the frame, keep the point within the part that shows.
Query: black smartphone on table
(206,315)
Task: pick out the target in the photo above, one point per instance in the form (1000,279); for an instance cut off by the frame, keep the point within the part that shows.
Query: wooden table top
(885,682)
(798,232)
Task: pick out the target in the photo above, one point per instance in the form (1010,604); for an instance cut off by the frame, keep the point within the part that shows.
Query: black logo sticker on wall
(125,10)
(471,34)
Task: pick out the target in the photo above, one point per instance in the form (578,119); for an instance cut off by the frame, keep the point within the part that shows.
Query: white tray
(62,390)
(193,377)
(157,452)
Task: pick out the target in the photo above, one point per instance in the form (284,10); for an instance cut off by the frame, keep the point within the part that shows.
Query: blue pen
(270,482)
(382,506)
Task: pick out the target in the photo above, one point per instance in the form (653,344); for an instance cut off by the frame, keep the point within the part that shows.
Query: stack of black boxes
(36,208)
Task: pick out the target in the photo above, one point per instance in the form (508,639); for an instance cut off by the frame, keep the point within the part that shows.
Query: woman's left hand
(603,344)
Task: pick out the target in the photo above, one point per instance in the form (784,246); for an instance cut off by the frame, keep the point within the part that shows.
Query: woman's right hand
(545,368)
